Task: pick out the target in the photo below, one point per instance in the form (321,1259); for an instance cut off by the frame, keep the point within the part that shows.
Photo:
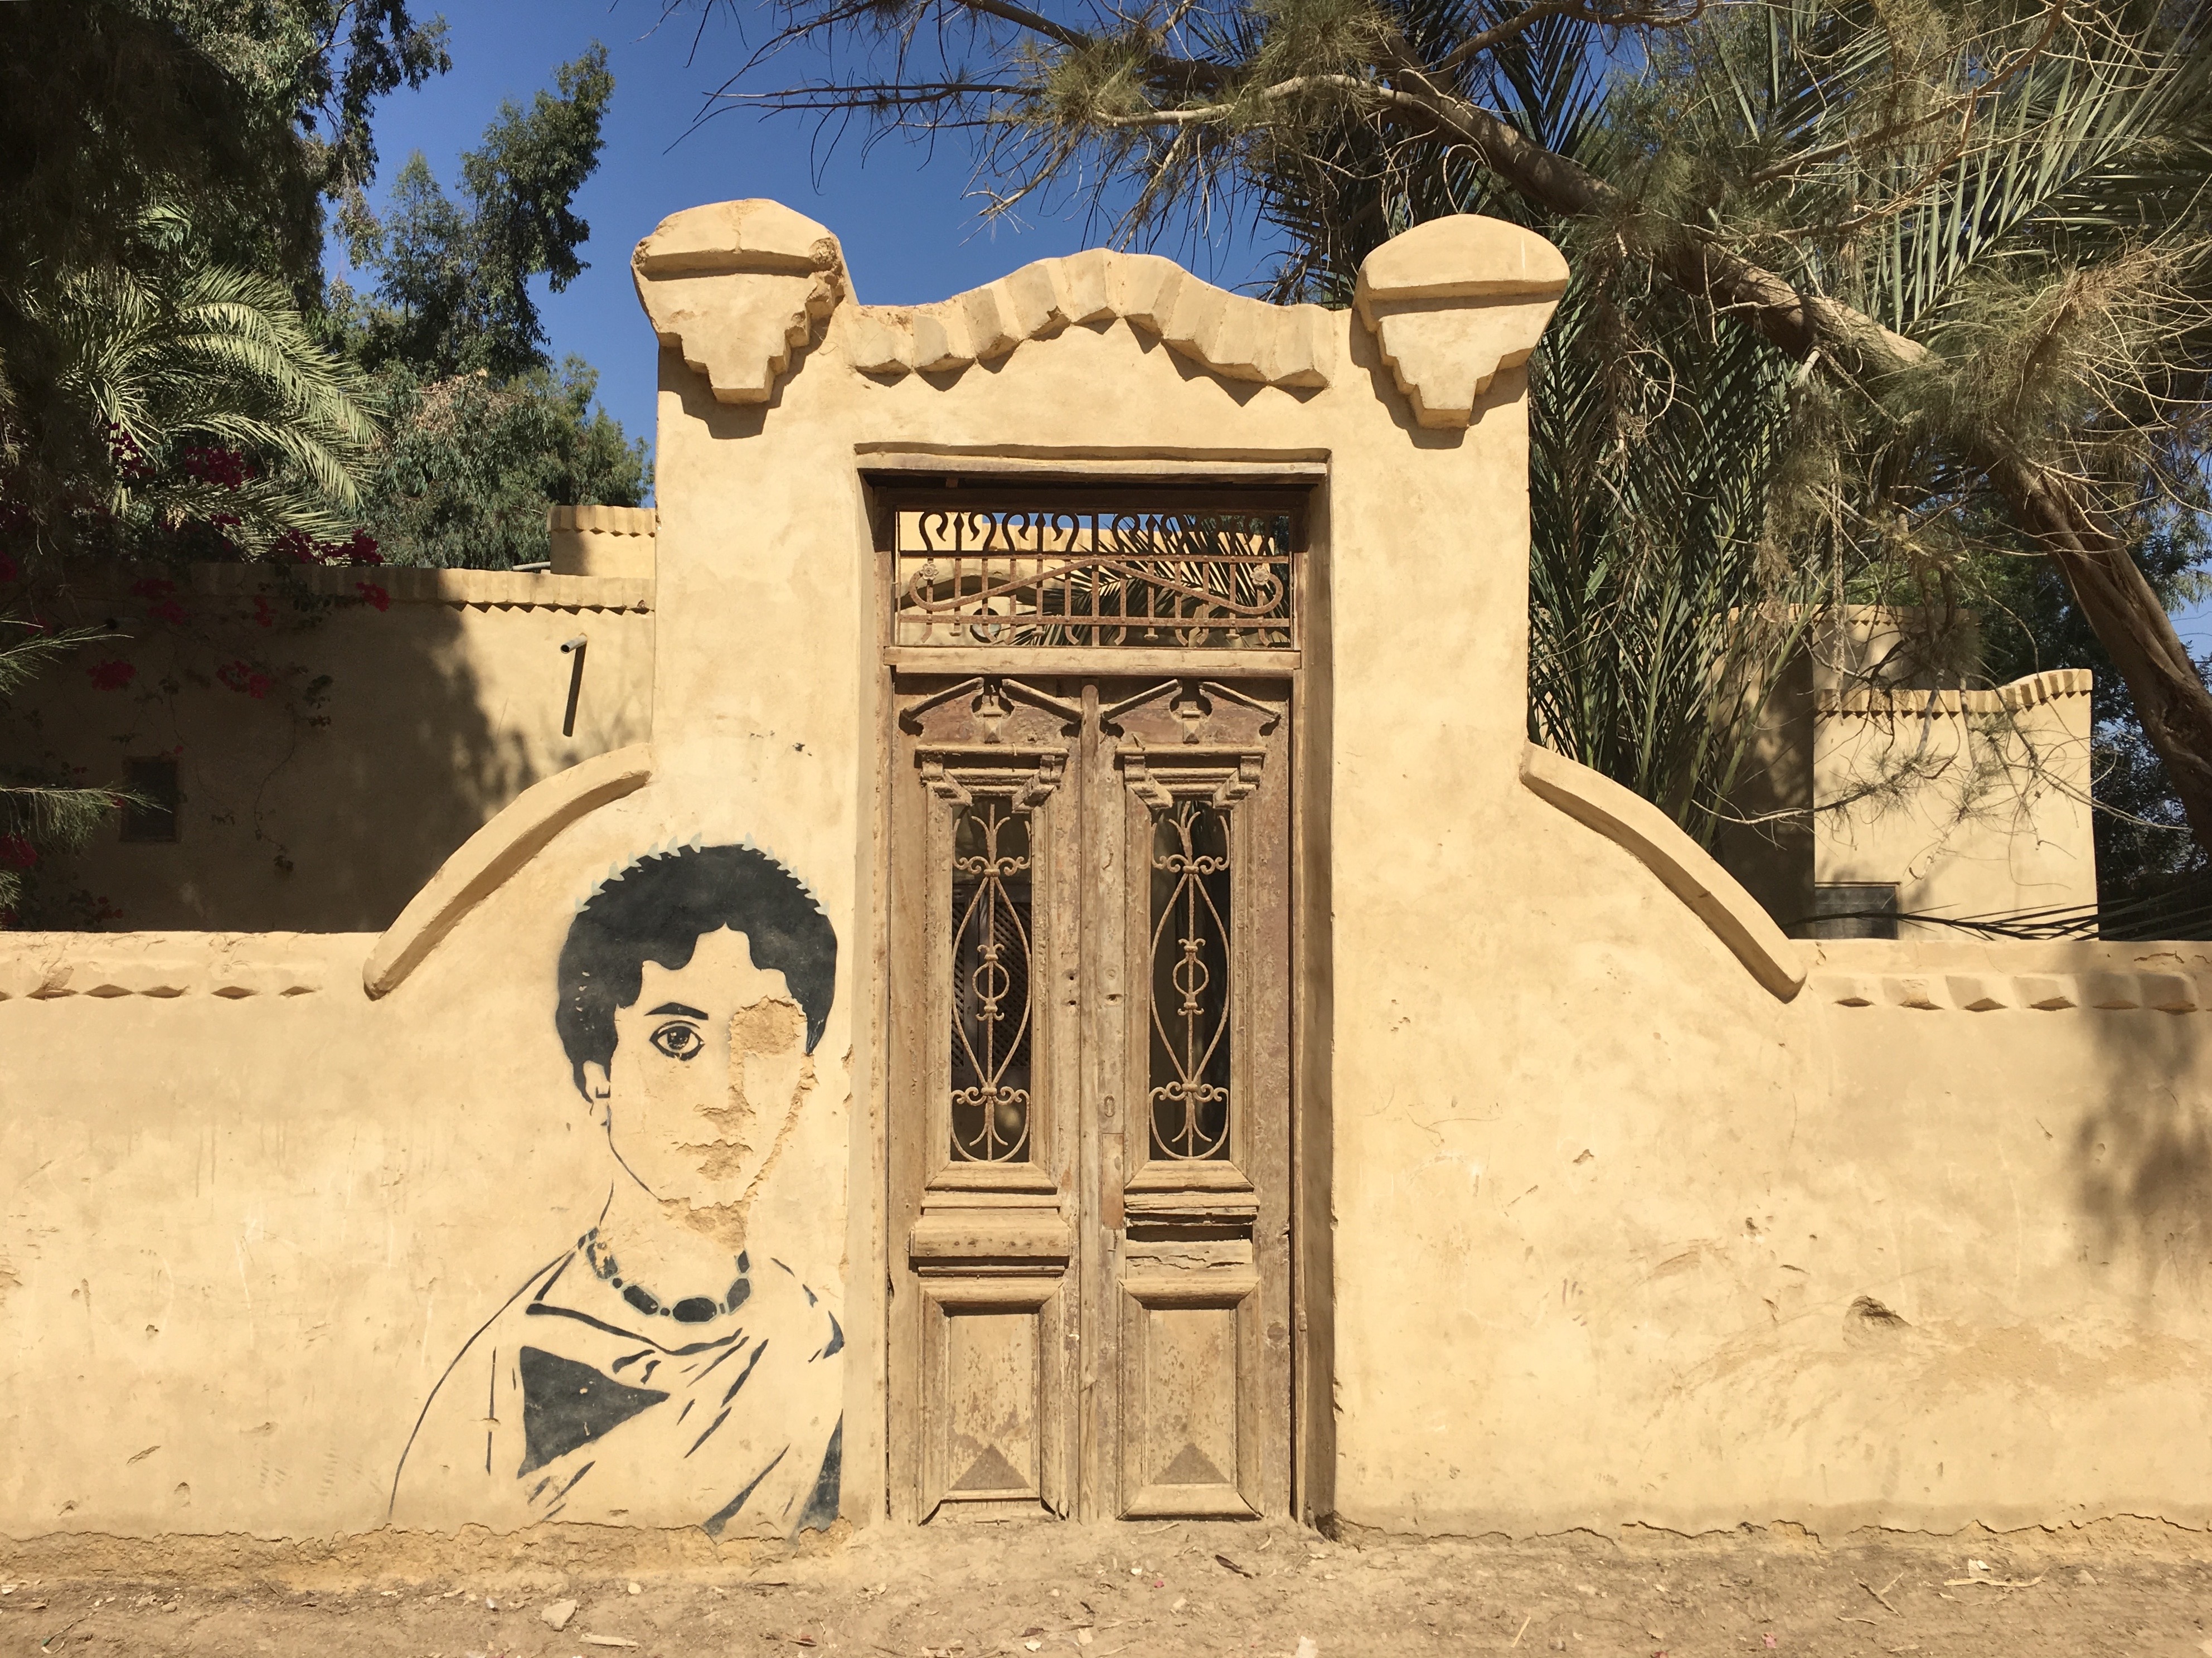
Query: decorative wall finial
(1453,300)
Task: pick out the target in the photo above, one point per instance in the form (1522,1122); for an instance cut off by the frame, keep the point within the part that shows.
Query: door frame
(888,475)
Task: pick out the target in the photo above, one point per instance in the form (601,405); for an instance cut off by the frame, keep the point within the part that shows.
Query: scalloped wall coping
(737,289)
(47,967)
(1961,975)
(504,590)
(1686,869)
(596,519)
(1937,991)
(483,862)
(1236,338)
(2032,691)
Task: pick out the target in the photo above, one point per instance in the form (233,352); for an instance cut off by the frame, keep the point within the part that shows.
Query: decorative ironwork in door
(1089,1101)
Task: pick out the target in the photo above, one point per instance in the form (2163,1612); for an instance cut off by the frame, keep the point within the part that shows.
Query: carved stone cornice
(1451,302)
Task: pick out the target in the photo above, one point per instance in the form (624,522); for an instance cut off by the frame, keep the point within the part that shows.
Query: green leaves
(453,293)
(1658,609)
(484,432)
(473,461)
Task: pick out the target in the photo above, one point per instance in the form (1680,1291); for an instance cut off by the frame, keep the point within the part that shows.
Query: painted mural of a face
(709,1069)
(669,1367)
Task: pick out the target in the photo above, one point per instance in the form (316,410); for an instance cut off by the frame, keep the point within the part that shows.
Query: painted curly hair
(659,908)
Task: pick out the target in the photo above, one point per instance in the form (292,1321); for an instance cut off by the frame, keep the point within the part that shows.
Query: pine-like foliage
(1656,596)
(485,431)
(472,462)
(1938,273)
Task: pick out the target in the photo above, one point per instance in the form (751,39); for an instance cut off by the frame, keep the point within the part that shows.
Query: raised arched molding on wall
(483,862)
(1715,896)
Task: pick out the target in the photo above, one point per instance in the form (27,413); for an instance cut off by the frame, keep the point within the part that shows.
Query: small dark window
(151,816)
(1854,910)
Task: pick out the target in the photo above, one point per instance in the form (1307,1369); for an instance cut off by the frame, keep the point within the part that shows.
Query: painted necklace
(691,1309)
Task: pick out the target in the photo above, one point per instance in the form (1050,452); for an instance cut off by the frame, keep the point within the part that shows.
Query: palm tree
(1655,596)
(1973,233)
(151,412)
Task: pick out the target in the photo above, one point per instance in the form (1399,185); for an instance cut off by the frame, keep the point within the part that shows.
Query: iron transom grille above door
(1095,571)
(1089,1096)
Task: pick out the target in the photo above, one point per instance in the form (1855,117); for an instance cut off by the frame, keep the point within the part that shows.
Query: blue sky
(909,230)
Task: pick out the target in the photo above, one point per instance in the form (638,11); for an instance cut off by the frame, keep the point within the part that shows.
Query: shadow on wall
(328,752)
(2142,1154)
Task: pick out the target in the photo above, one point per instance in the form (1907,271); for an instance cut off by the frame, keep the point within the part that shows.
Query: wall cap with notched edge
(2031,690)
(756,234)
(519,830)
(48,967)
(1688,871)
(1451,302)
(1236,338)
(1464,256)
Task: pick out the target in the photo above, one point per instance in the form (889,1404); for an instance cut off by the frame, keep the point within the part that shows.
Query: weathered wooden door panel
(1089,1102)
(1193,1417)
(993,1407)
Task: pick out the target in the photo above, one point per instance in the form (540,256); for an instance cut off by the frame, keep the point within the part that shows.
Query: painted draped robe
(571,1405)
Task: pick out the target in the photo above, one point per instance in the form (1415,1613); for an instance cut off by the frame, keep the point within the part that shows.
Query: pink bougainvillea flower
(226,467)
(160,595)
(246,679)
(17,852)
(373,594)
(293,547)
(113,675)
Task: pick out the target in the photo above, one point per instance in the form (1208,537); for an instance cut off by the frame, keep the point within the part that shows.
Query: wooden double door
(1090,1104)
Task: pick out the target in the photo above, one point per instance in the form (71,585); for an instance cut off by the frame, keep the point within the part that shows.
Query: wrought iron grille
(1191,579)
(1190,982)
(991,934)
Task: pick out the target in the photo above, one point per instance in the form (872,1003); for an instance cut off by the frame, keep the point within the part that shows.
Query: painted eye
(678,1041)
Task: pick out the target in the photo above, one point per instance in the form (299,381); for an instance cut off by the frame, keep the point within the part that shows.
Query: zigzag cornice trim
(52,966)
(1938,991)
(2031,691)
(1238,338)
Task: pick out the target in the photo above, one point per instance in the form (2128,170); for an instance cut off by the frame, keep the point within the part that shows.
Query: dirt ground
(1270,1591)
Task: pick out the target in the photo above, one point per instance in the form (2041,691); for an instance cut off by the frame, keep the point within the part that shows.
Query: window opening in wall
(990,934)
(1854,909)
(149,809)
(1139,574)
(1190,1065)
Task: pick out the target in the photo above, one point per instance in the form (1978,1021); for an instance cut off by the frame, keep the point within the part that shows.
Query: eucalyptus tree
(1973,232)
(485,431)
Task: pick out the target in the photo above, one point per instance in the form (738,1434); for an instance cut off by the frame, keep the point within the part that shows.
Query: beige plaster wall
(246,1233)
(1602,1205)
(1619,1254)
(324,806)
(1870,765)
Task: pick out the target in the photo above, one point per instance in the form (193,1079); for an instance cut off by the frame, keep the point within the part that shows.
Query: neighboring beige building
(1888,778)
(328,736)
(1959,804)
(1072,997)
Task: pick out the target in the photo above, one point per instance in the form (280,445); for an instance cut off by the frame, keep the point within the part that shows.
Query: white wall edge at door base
(482,863)
(1687,869)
